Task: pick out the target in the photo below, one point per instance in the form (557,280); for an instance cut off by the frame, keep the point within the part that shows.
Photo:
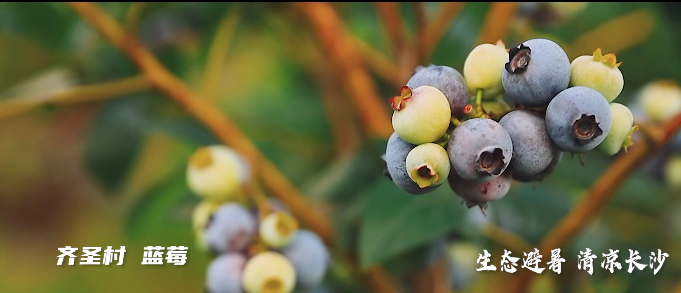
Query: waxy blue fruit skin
(480,149)
(537,70)
(578,119)
(309,256)
(396,153)
(224,273)
(557,157)
(480,193)
(230,229)
(446,79)
(532,147)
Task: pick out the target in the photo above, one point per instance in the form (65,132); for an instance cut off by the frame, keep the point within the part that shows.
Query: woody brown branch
(224,129)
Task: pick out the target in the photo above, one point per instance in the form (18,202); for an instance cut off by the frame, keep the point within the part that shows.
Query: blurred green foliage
(112,172)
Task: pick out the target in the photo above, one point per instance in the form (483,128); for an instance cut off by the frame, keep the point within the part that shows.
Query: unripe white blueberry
(216,173)
(268,272)
(660,100)
(278,229)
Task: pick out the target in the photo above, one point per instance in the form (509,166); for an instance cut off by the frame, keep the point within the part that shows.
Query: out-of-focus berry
(268,272)
(216,173)
(278,229)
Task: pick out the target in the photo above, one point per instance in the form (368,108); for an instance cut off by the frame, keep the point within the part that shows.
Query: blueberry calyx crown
(424,175)
(491,162)
(397,102)
(201,159)
(609,60)
(586,129)
(272,285)
(286,224)
(518,59)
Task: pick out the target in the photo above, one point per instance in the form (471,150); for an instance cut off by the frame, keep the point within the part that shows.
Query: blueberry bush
(339,147)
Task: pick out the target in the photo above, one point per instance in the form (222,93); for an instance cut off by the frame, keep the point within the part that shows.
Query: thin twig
(437,28)
(377,62)
(393,22)
(133,15)
(217,54)
(600,193)
(342,51)
(209,115)
(498,21)
(346,137)
(80,94)
(421,42)
(302,49)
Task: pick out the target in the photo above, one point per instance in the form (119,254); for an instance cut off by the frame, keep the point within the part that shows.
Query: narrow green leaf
(394,221)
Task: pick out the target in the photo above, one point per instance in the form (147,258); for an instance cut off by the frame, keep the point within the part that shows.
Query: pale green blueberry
(268,272)
(482,69)
(660,100)
(278,229)
(216,173)
(620,132)
(421,115)
(428,164)
(599,72)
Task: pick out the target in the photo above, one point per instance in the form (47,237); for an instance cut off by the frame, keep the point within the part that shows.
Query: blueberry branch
(393,21)
(80,94)
(601,192)
(206,113)
(226,131)
(440,23)
(344,55)
(377,62)
(498,21)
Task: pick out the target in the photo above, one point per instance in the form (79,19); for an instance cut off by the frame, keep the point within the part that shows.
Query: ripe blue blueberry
(396,153)
(536,71)
(224,273)
(448,80)
(230,228)
(532,147)
(578,119)
(557,157)
(480,149)
(480,193)
(309,256)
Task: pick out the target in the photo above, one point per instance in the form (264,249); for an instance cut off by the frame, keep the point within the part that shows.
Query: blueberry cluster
(657,102)
(258,250)
(457,128)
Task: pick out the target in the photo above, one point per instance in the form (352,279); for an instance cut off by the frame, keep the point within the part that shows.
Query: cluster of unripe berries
(259,250)
(457,128)
(657,102)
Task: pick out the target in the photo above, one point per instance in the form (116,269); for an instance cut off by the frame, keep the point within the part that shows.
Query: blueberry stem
(479,111)
(456,121)
(256,193)
(443,140)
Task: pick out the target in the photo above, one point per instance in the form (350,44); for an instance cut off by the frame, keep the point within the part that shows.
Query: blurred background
(92,155)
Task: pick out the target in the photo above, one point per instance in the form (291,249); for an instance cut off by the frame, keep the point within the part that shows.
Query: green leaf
(345,177)
(395,222)
(167,206)
(115,138)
